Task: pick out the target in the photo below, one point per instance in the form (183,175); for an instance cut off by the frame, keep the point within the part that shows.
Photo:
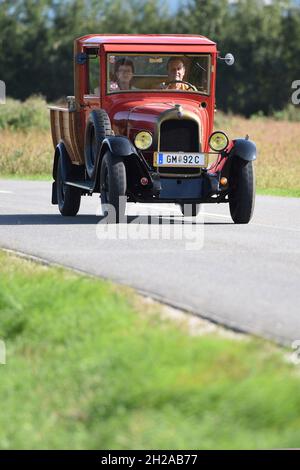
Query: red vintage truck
(139,128)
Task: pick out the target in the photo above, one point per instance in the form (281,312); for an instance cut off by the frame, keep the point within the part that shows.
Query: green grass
(91,366)
(30,177)
(22,116)
(279,192)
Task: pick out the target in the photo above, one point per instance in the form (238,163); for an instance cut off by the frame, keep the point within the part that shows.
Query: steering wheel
(185,83)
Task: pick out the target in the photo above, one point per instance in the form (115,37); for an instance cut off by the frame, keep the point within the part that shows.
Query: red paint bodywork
(130,112)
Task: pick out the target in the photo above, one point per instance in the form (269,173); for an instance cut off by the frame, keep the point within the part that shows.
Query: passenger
(124,71)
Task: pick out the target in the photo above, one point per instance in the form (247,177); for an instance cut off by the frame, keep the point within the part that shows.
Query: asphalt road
(246,277)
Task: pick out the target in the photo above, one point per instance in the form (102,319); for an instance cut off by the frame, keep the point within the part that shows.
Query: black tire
(242,191)
(97,128)
(68,197)
(113,187)
(190,210)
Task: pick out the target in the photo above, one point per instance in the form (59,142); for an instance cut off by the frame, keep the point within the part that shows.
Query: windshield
(145,72)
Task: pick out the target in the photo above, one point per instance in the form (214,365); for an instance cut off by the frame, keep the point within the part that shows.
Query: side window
(93,72)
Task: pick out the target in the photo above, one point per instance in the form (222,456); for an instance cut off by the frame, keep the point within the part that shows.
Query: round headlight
(143,140)
(218,141)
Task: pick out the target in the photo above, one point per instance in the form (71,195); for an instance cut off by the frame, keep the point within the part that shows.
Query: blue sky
(173,4)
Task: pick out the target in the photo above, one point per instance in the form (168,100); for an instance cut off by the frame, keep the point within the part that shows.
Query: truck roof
(184,39)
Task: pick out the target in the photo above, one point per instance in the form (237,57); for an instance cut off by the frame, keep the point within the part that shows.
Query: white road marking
(253,223)
(216,215)
(2,191)
(289,229)
(223,216)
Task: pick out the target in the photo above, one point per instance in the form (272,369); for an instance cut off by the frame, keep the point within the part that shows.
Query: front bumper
(205,188)
(189,188)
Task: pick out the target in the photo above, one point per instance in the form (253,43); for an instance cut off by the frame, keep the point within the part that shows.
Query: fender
(68,170)
(244,149)
(136,166)
(118,145)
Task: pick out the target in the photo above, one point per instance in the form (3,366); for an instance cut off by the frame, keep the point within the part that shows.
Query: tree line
(36,41)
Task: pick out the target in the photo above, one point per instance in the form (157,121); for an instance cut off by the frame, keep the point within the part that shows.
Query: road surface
(243,276)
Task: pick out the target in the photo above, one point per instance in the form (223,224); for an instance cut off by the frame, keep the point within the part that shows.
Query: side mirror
(229,59)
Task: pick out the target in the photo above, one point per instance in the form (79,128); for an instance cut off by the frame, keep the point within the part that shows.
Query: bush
(289,113)
(17,115)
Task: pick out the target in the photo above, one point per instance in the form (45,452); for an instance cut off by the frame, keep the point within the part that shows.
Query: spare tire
(98,127)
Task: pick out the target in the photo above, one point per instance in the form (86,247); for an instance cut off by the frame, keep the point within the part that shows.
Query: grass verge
(33,177)
(279,192)
(92,366)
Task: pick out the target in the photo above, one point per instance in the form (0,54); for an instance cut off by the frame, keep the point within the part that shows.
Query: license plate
(179,159)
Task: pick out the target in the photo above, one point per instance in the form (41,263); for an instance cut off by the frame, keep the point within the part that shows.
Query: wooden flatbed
(66,127)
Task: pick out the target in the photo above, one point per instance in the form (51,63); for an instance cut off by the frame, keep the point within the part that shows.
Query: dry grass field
(26,154)
(29,152)
(278,144)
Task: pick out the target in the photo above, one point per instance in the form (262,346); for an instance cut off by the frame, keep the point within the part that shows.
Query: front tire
(68,197)
(113,187)
(242,191)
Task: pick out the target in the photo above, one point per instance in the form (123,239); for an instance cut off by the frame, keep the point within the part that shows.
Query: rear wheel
(242,191)
(190,210)
(113,187)
(68,197)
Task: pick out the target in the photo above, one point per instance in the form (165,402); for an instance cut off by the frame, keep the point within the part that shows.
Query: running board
(87,186)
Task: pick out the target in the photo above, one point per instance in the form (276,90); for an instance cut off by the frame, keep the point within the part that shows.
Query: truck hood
(137,116)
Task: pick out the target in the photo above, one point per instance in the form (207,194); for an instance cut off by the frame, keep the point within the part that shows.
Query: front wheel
(190,210)
(113,187)
(242,191)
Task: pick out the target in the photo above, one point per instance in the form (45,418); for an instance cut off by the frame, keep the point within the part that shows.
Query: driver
(176,71)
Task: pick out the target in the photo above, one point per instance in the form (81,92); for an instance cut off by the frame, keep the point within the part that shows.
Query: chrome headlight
(218,141)
(143,140)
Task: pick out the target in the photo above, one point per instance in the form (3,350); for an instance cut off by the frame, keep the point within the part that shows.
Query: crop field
(27,151)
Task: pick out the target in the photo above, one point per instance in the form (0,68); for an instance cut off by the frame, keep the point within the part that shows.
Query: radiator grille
(179,136)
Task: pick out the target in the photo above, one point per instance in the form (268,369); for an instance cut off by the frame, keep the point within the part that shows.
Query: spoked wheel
(242,191)
(68,197)
(113,187)
(190,210)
